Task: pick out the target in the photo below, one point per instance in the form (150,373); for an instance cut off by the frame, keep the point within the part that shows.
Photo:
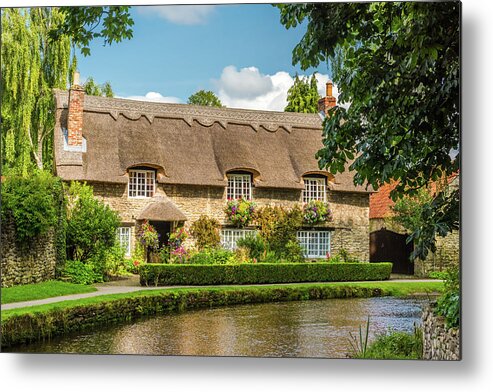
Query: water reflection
(290,329)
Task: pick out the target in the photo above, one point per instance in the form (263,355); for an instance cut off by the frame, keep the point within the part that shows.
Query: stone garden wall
(447,255)
(439,343)
(33,264)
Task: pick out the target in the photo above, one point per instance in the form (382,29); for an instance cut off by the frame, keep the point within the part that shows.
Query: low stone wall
(446,256)
(439,343)
(33,264)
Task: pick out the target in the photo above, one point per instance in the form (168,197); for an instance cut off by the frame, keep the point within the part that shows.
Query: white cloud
(248,88)
(153,97)
(179,14)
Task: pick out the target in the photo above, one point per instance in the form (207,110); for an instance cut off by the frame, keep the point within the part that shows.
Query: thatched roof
(162,211)
(191,144)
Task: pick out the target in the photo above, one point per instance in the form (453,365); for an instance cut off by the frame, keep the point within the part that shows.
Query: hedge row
(189,274)
(30,327)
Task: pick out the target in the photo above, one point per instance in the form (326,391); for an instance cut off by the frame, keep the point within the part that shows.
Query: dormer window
(239,185)
(315,189)
(141,183)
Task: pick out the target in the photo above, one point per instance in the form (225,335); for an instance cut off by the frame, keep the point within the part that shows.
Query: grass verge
(52,288)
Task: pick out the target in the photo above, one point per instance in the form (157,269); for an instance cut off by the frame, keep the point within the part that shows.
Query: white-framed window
(315,244)
(239,185)
(123,235)
(315,189)
(141,183)
(230,236)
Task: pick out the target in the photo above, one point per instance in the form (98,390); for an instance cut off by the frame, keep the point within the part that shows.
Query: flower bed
(186,274)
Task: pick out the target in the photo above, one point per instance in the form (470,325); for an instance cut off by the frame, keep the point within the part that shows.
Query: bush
(438,275)
(395,345)
(115,263)
(78,272)
(343,256)
(448,304)
(205,232)
(213,256)
(34,203)
(180,274)
(254,244)
(91,225)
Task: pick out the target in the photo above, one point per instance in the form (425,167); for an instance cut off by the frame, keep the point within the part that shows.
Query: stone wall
(350,210)
(36,263)
(439,343)
(447,255)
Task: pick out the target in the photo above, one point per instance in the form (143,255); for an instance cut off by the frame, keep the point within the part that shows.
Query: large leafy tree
(204,98)
(36,57)
(303,95)
(397,64)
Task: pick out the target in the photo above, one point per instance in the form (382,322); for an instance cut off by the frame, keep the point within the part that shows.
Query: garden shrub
(186,274)
(254,244)
(33,203)
(76,271)
(316,211)
(448,304)
(205,232)
(343,256)
(213,256)
(91,225)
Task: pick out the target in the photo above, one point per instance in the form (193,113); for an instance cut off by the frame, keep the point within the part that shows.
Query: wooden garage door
(386,245)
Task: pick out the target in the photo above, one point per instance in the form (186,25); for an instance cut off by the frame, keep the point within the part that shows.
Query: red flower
(136,263)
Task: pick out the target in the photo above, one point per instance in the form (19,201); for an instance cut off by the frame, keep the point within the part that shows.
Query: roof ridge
(205,115)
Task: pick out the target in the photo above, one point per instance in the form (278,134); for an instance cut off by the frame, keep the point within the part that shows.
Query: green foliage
(303,96)
(100,90)
(76,271)
(213,256)
(205,232)
(240,212)
(395,345)
(278,227)
(115,263)
(91,225)
(442,275)
(316,211)
(255,246)
(259,273)
(397,64)
(31,68)
(448,304)
(204,98)
(407,210)
(34,203)
(343,256)
(83,24)
(359,344)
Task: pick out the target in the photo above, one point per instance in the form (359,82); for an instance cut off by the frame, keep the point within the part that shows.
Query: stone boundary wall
(439,344)
(36,263)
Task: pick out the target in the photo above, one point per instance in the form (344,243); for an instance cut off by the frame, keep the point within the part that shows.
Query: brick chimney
(75,111)
(327,102)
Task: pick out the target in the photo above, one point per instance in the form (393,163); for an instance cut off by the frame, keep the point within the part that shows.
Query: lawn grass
(52,288)
(396,289)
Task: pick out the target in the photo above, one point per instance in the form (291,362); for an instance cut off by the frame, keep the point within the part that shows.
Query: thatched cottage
(171,163)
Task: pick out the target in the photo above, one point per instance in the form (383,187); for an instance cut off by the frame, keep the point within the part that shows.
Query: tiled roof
(381,204)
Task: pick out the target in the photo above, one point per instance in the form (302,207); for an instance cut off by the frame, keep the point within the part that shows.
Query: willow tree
(32,66)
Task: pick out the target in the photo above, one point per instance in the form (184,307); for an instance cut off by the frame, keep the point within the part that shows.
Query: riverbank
(28,324)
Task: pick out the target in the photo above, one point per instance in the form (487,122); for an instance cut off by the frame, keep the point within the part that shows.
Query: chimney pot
(327,102)
(76,78)
(328,89)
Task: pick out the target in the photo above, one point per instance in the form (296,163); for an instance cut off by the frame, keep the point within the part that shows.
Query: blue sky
(241,52)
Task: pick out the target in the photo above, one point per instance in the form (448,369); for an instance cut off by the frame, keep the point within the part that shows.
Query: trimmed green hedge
(187,274)
(40,325)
